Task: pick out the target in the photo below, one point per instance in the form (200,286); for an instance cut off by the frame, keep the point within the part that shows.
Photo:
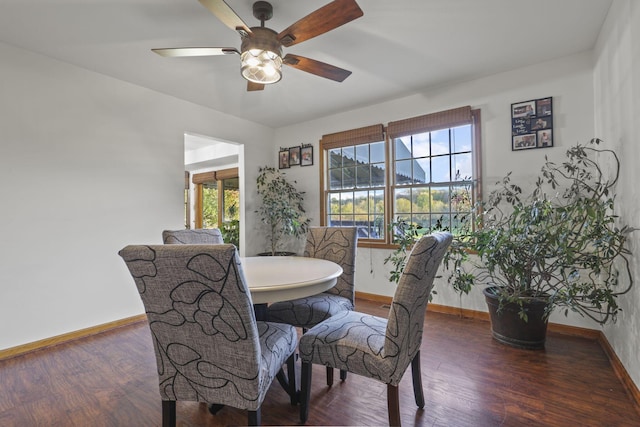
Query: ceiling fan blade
(196,51)
(316,67)
(325,19)
(228,17)
(251,86)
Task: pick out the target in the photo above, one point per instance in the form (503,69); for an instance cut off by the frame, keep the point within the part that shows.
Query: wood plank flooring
(468,378)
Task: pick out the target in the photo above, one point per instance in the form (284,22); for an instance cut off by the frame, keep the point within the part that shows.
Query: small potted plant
(231,228)
(558,247)
(281,208)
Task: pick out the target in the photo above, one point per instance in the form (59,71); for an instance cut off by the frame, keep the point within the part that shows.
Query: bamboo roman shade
(429,122)
(213,176)
(373,133)
(201,178)
(226,174)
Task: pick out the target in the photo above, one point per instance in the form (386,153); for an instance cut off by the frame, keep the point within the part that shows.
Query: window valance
(430,122)
(363,135)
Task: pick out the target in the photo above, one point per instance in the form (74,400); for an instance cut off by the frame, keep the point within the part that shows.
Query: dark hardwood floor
(469,380)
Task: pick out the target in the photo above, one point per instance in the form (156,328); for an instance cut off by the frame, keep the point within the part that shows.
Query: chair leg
(168,413)
(214,408)
(305,394)
(282,379)
(254,418)
(393,405)
(291,373)
(329,376)
(343,376)
(417,380)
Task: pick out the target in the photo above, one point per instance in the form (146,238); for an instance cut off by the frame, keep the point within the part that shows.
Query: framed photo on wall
(306,155)
(294,156)
(523,109)
(283,159)
(532,124)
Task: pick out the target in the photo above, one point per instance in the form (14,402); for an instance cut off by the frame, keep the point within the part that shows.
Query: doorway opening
(217,202)
(214,186)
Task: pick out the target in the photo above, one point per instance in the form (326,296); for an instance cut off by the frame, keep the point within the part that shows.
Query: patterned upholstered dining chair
(337,244)
(208,345)
(198,236)
(375,347)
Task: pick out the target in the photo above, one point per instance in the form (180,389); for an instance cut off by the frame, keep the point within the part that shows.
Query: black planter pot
(508,328)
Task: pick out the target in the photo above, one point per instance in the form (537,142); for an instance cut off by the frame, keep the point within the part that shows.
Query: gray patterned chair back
(373,346)
(337,244)
(406,317)
(202,322)
(198,236)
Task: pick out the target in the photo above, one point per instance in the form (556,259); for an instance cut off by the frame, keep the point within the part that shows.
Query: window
(356,179)
(210,206)
(356,188)
(423,169)
(433,176)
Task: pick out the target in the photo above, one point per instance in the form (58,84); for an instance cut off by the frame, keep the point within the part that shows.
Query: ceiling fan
(261,48)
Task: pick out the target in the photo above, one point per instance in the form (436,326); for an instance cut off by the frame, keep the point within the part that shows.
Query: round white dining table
(282,278)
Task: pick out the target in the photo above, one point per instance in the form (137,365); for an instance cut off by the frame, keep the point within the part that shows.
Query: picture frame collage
(532,124)
(301,155)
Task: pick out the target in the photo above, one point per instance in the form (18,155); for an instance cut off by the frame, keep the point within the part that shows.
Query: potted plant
(231,232)
(280,209)
(405,234)
(231,228)
(557,247)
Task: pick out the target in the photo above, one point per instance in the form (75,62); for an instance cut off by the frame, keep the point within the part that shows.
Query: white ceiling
(397,48)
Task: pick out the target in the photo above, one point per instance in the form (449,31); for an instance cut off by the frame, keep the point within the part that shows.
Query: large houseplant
(557,247)
(281,208)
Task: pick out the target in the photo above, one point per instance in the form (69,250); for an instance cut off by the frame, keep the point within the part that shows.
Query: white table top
(282,278)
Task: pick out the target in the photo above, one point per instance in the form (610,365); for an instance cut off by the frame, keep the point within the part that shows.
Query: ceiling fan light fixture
(261,66)
(261,56)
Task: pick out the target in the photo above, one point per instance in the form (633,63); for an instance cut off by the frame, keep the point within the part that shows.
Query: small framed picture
(283,159)
(523,109)
(294,156)
(543,107)
(306,155)
(545,138)
(524,142)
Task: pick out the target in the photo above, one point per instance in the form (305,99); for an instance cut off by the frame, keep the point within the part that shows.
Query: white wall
(568,81)
(617,107)
(89,164)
